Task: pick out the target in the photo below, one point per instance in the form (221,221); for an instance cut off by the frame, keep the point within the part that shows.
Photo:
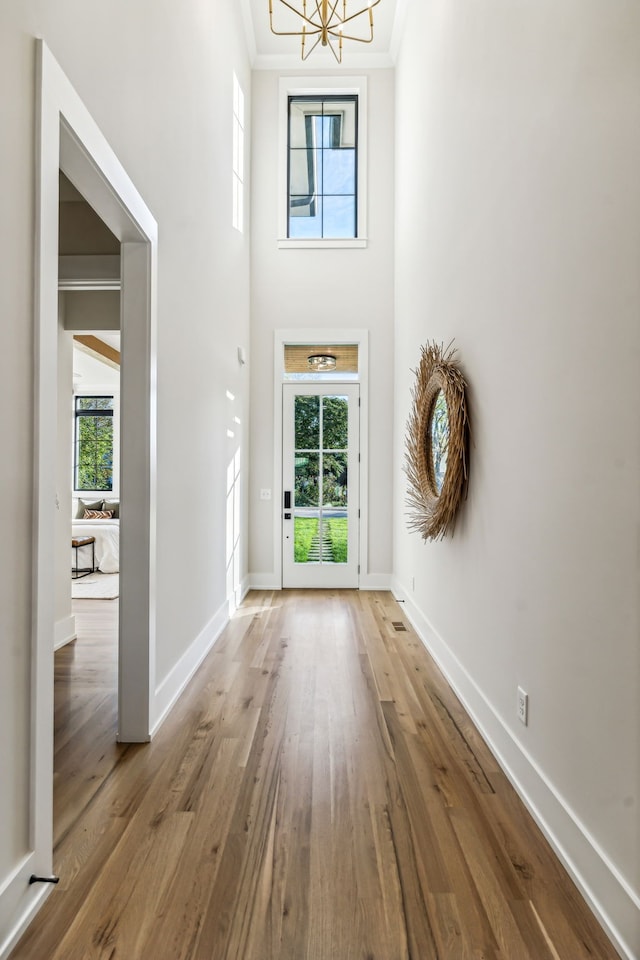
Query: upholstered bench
(77,542)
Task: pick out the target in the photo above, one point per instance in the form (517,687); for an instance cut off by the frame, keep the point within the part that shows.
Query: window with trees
(93,443)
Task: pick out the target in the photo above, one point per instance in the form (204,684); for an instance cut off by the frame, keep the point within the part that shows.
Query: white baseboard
(64,631)
(610,897)
(264,581)
(368,581)
(235,599)
(375,581)
(174,683)
(19,903)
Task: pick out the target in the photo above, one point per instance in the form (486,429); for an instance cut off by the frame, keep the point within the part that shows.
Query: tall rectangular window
(93,443)
(238,156)
(322,161)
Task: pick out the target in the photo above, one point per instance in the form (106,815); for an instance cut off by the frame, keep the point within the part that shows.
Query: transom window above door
(321,362)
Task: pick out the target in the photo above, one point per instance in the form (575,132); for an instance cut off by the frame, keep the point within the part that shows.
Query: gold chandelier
(323,24)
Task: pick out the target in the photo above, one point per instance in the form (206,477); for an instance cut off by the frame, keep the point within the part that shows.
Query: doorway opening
(89,363)
(88,492)
(321,455)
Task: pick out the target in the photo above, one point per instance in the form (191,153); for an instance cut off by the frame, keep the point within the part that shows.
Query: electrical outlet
(265,494)
(523,706)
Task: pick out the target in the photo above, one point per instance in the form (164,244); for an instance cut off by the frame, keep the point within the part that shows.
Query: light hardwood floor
(318,793)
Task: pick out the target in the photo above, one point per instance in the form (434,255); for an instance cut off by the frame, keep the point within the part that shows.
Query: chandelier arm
(318,12)
(332,12)
(296,33)
(292,33)
(327,27)
(345,36)
(309,20)
(331,47)
(360,12)
(310,51)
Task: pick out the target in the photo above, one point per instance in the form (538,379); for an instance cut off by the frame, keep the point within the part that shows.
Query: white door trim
(316,335)
(75,145)
(69,139)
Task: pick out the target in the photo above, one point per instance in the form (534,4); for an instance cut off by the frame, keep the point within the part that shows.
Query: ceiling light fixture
(322,361)
(323,24)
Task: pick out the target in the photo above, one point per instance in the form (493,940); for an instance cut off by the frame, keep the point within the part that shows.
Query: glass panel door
(320,483)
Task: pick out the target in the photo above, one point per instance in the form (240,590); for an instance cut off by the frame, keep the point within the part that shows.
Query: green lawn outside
(337,527)
(305,529)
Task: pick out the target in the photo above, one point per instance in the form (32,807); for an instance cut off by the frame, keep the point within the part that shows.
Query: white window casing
(322,86)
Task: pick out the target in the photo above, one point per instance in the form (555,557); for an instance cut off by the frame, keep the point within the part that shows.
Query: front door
(320,430)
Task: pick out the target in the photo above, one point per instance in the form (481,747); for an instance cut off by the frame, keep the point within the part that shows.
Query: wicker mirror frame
(432,513)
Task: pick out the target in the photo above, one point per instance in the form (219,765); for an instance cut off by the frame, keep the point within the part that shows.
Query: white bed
(107,545)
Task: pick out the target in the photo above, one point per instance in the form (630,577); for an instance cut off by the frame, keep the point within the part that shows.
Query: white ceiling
(89,372)
(113,339)
(278,53)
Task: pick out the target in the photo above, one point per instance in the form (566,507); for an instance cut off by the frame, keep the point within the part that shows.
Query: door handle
(287,499)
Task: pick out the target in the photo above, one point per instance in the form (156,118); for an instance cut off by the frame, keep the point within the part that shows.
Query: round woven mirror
(436,444)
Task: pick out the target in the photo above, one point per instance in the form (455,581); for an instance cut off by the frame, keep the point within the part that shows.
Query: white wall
(324,289)
(157,80)
(518,234)
(167,114)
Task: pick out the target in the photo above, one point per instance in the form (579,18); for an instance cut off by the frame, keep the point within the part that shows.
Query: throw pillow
(83,505)
(98,515)
(114,506)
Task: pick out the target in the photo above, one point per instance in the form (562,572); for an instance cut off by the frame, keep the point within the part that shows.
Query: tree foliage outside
(321,436)
(94,443)
(307,468)
(307,423)
(335,424)
(334,480)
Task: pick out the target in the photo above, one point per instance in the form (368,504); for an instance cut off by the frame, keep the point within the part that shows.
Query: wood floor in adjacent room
(318,793)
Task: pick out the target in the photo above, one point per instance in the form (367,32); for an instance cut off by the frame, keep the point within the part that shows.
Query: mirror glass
(439,440)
